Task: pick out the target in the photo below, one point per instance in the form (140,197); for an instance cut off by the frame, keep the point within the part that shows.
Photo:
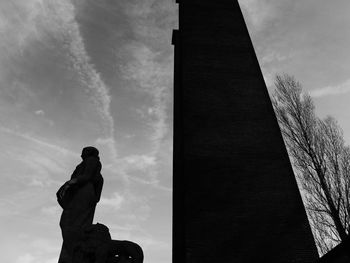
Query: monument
(83,241)
(235,195)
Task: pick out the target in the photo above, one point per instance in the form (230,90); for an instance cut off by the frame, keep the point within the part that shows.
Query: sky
(84,72)
(309,40)
(77,73)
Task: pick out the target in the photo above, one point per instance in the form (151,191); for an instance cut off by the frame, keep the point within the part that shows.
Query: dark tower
(235,194)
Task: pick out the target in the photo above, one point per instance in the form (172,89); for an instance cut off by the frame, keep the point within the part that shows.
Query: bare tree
(321,161)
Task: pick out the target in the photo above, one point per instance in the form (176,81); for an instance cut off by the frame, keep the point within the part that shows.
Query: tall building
(235,194)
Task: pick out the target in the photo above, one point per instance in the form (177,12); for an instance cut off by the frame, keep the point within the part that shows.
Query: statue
(97,246)
(78,198)
(84,242)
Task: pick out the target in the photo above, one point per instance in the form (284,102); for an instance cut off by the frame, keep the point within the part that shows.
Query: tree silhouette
(320,159)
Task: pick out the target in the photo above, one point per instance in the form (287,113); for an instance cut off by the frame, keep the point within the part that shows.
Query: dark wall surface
(235,195)
(339,254)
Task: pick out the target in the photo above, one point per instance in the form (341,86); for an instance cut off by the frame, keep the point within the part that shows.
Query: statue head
(89,151)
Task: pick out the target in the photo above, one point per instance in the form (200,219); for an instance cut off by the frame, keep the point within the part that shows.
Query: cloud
(56,148)
(148,242)
(52,211)
(151,71)
(342,88)
(40,112)
(273,56)
(54,24)
(42,164)
(150,63)
(17,24)
(139,162)
(17,94)
(44,245)
(137,234)
(124,208)
(40,250)
(63,22)
(152,75)
(115,201)
(109,145)
(154,184)
(35,160)
(258,12)
(152,19)
(8,207)
(137,167)
(26,258)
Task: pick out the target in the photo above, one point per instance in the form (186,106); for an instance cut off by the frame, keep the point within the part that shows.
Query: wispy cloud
(38,156)
(51,211)
(46,22)
(63,22)
(26,258)
(150,66)
(274,56)
(342,88)
(148,243)
(152,77)
(154,184)
(17,24)
(149,69)
(38,250)
(115,201)
(258,12)
(140,162)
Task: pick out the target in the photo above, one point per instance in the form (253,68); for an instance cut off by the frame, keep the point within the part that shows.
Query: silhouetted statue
(78,198)
(97,246)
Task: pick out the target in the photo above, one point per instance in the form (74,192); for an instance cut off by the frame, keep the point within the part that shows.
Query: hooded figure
(84,191)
